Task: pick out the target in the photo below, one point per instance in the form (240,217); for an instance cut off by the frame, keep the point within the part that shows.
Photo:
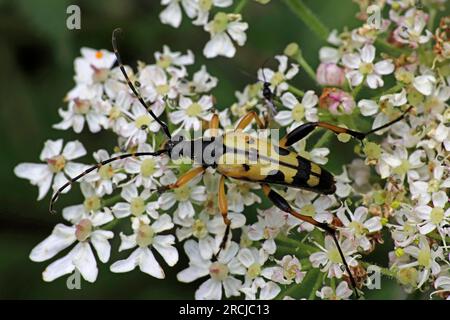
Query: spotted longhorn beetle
(239,155)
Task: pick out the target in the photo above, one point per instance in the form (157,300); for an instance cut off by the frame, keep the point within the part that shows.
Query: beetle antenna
(132,87)
(98,166)
(249,75)
(390,123)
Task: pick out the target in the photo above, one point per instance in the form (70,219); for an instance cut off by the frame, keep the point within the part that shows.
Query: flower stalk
(305,14)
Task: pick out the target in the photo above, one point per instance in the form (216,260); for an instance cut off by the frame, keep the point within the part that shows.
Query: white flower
(220,272)
(137,130)
(156,85)
(204,227)
(80,111)
(58,163)
(253,260)
(106,177)
(269,225)
(198,228)
(443,284)
(434,216)
(300,112)
(277,79)
(172,15)
(268,290)
(395,99)
(425,258)
(240,194)
(148,169)
(329,259)
(423,190)
(342,292)
(185,196)
(287,271)
(424,84)
(222,29)
(368,107)
(406,229)
(85,230)
(319,209)
(358,226)
(92,204)
(146,237)
(205,6)
(435,103)
(202,82)
(411,27)
(359,172)
(329,55)
(174,61)
(363,68)
(136,204)
(192,113)
(400,163)
(343,186)
(115,86)
(94,66)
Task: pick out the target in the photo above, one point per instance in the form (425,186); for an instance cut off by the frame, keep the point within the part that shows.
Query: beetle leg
(185,178)
(282,204)
(223,208)
(245,121)
(214,125)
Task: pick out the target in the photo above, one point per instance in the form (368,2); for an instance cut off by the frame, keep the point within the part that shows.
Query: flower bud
(330,74)
(337,101)
(291,49)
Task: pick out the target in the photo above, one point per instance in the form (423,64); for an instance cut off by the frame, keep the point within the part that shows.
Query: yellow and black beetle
(242,156)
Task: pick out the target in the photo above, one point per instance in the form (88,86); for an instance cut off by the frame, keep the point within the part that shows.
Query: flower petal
(149,265)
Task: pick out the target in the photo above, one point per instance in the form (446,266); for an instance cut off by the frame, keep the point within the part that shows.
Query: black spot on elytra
(275,176)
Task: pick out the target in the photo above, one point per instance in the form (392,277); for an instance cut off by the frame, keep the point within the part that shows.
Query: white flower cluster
(225,29)
(395,187)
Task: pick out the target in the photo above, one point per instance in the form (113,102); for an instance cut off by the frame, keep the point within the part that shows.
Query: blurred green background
(36,57)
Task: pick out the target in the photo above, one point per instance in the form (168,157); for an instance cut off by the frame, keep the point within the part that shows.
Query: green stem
(431,18)
(437,236)
(358,88)
(305,65)
(383,271)
(241,4)
(308,18)
(295,244)
(316,287)
(333,283)
(296,91)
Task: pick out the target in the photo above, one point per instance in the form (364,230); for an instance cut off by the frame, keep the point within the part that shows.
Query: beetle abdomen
(257,160)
